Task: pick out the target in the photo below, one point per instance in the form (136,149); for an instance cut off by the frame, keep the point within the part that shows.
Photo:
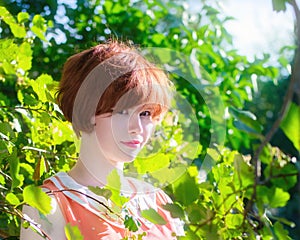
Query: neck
(92,167)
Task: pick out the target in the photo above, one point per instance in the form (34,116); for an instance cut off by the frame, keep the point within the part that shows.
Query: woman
(114,98)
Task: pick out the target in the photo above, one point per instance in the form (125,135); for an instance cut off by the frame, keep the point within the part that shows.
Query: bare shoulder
(51,224)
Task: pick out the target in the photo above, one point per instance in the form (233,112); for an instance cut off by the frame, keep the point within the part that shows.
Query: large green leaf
(17,30)
(114,184)
(278,198)
(35,197)
(152,163)
(291,125)
(246,118)
(186,189)
(153,216)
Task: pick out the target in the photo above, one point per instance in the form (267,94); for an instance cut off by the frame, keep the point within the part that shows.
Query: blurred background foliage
(252,191)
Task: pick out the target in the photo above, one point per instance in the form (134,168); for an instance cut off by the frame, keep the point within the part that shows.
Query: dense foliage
(232,181)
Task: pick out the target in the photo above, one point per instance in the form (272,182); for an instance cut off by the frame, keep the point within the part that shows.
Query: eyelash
(148,115)
(143,113)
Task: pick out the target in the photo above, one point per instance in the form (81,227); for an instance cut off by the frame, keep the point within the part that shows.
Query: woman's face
(122,135)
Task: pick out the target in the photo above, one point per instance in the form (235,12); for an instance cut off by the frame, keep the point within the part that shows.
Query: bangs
(147,90)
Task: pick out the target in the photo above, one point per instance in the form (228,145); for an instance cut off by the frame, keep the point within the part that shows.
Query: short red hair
(107,77)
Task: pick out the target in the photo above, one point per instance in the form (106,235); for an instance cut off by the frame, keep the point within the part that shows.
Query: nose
(135,125)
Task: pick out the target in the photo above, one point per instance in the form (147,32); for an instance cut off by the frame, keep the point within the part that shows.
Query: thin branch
(24,108)
(278,176)
(51,192)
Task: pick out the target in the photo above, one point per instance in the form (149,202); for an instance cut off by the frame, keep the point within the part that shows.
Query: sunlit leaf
(12,199)
(291,125)
(23,17)
(152,163)
(278,198)
(35,197)
(114,185)
(243,171)
(72,232)
(233,220)
(153,216)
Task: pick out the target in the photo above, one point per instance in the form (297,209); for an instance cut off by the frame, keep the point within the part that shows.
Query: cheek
(103,130)
(149,129)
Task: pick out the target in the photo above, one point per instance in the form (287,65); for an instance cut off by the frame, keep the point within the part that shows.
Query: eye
(145,114)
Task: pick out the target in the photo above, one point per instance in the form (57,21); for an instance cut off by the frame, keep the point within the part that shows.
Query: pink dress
(81,207)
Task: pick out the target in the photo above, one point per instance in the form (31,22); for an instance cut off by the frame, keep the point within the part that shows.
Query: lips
(132,143)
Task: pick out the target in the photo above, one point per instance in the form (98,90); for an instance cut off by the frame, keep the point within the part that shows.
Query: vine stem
(295,79)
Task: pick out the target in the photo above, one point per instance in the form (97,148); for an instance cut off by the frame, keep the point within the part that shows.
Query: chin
(128,159)
(124,158)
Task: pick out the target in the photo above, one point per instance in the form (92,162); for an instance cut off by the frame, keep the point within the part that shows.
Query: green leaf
(279,5)
(23,17)
(14,167)
(24,56)
(106,193)
(35,197)
(291,125)
(233,220)
(278,198)
(61,132)
(157,38)
(39,168)
(197,213)
(40,86)
(244,173)
(8,68)
(284,182)
(114,185)
(186,189)
(38,32)
(131,224)
(281,232)
(153,216)
(12,199)
(152,163)
(39,27)
(73,232)
(169,175)
(245,120)
(17,30)
(175,210)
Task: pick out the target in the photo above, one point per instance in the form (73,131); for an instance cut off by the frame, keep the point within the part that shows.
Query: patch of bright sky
(257,28)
